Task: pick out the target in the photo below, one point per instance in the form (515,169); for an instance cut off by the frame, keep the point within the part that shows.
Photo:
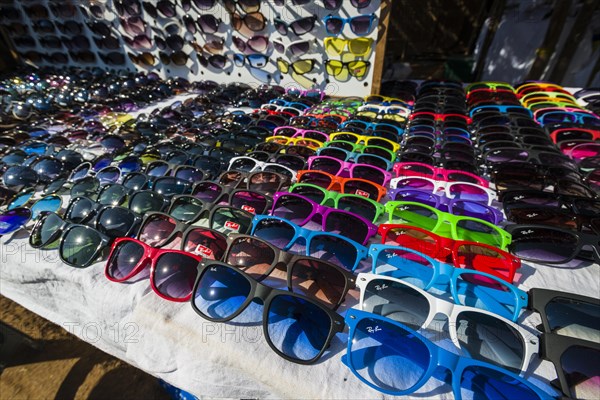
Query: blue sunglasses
(508,109)
(394,359)
(18,216)
(467,287)
(331,247)
(373,126)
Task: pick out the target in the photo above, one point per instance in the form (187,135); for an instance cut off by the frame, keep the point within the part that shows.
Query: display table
(170,341)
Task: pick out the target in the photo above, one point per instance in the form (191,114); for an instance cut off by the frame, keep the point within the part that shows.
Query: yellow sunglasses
(359,47)
(299,141)
(489,85)
(367,140)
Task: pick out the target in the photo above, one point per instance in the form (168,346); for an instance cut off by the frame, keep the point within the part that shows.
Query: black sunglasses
(222,292)
(570,328)
(299,27)
(552,245)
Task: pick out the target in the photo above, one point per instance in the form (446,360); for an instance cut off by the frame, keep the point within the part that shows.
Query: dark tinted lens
(334,249)
(124,258)
(292,208)
(361,25)
(254,203)
(359,206)
(206,243)
(368,173)
(156,230)
(229,219)
(80,246)
(170,186)
(334,25)
(175,274)
(543,245)
(574,318)
(581,371)
(315,278)
(116,222)
(252,256)
(489,383)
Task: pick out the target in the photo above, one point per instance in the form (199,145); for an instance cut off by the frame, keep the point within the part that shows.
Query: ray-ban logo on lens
(403,208)
(521,197)
(362,193)
(232,225)
(213,269)
(381,287)
(526,232)
(532,215)
(370,329)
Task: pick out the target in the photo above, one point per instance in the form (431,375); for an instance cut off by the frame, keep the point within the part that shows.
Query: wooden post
(378,63)
(560,11)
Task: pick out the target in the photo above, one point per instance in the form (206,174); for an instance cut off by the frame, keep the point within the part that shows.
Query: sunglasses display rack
(325,44)
(242,241)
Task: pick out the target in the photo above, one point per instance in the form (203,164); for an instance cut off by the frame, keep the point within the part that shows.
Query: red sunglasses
(460,253)
(562,134)
(172,272)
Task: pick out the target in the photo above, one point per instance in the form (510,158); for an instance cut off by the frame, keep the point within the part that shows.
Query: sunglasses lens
(221,292)
(543,244)
(143,202)
(369,173)
(361,25)
(251,256)
(473,209)
(416,215)
(20,200)
(292,208)
(174,275)
(206,243)
(315,278)
(347,225)
(112,195)
(231,220)
(309,323)
(12,220)
(135,181)
(581,371)
(79,210)
(156,230)
(123,259)
(186,208)
(115,222)
(387,356)
(359,206)
(475,231)
(20,176)
(254,203)
(334,249)
(573,318)
(265,182)
(479,381)
(334,25)
(207,191)
(80,246)
(170,186)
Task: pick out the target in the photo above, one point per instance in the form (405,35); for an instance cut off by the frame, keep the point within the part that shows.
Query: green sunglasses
(446,224)
(362,148)
(355,203)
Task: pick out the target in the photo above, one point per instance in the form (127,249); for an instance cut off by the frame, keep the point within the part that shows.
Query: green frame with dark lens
(446,224)
(334,198)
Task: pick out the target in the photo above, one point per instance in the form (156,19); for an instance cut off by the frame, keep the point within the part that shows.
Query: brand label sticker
(205,251)
(234,226)
(362,193)
(250,209)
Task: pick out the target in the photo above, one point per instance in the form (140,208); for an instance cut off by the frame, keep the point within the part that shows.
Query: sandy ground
(65,367)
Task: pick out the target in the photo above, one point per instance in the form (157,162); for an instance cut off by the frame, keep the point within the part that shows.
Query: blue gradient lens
(221,292)
(297,327)
(13,220)
(486,383)
(387,356)
(108,175)
(275,232)
(48,203)
(19,201)
(130,164)
(335,250)
(487,293)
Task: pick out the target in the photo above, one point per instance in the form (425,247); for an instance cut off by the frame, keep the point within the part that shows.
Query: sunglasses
(299,27)
(569,326)
(78,245)
(331,247)
(357,69)
(308,276)
(253,21)
(301,210)
(453,190)
(335,166)
(443,203)
(510,345)
(366,139)
(374,339)
(448,225)
(359,47)
(112,220)
(371,155)
(495,86)
(264,182)
(357,186)
(459,253)
(552,245)
(222,292)
(360,205)
(172,272)
(299,67)
(360,25)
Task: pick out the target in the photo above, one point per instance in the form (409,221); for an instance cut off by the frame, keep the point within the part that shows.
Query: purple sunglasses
(467,208)
(346,169)
(300,210)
